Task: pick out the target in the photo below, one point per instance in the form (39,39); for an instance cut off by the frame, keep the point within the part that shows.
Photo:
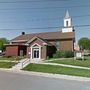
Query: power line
(31,28)
(48,19)
(80,16)
(26,8)
(33,1)
(82,25)
(45,27)
(58,18)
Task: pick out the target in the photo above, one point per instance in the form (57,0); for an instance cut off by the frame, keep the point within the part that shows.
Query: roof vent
(23,33)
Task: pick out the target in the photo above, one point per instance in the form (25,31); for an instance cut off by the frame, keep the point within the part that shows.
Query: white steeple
(67,14)
(67,23)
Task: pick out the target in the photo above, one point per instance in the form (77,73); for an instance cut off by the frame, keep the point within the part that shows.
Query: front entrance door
(36,53)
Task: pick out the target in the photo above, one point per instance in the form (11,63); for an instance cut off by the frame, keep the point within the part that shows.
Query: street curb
(57,76)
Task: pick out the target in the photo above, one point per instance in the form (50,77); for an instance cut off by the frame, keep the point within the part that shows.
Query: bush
(63,54)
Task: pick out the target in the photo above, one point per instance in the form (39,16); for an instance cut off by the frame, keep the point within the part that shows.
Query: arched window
(66,23)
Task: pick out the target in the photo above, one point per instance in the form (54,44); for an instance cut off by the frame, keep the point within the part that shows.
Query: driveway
(17,81)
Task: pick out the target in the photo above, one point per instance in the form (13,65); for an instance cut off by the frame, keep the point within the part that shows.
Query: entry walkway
(64,65)
(22,63)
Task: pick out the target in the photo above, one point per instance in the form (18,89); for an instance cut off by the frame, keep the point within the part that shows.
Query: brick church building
(39,46)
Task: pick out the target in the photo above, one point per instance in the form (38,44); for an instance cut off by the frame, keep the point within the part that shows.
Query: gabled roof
(44,41)
(46,36)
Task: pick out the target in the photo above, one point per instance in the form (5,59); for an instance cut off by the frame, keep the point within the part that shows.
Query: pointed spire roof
(67,14)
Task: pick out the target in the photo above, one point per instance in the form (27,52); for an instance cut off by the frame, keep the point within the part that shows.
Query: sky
(34,16)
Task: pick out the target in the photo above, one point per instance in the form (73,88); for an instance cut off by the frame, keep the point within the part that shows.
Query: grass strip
(7,64)
(83,63)
(57,70)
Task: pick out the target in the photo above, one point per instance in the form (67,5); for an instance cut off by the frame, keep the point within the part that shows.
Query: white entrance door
(36,53)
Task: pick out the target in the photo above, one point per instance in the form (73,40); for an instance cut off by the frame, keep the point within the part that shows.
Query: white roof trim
(34,39)
(36,44)
(19,41)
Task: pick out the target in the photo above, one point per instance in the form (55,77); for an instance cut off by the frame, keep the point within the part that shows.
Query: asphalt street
(17,81)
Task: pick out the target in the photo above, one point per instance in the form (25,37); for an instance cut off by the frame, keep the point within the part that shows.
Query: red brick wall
(28,50)
(12,51)
(66,45)
(44,52)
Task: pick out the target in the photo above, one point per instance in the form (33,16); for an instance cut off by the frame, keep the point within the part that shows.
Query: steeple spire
(67,14)
(67,23)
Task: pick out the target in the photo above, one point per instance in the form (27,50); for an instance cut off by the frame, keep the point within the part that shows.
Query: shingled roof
(46,35)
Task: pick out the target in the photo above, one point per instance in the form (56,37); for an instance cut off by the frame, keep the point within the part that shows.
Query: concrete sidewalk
(64,65)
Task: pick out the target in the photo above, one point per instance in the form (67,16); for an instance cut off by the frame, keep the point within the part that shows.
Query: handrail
(24,62)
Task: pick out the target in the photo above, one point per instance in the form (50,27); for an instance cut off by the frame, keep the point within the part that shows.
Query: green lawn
(57,70)
(84,63)
(7,64)
(11,58)
(5,58)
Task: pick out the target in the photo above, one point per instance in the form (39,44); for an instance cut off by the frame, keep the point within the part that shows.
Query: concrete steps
(22,63)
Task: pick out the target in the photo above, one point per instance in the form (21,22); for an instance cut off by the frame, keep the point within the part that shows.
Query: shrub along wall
(63,54)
